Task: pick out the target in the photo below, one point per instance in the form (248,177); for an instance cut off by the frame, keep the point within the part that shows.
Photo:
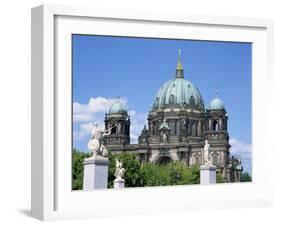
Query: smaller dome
(216,104)
(117,108)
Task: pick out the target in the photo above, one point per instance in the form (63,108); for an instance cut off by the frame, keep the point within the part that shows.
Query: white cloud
(95,106)
(138,120)
(239,148)
(243,151)
(101,104)
(83,131)
(84,115)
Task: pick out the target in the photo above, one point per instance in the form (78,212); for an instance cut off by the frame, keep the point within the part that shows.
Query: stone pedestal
(208,174)
(119,183)
(95,173)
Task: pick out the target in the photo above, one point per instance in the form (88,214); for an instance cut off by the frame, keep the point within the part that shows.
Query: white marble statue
(95,145)
(206,153)
(119,171)
(164,137)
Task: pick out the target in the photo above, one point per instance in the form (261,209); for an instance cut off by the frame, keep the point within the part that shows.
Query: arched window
(192,101)
(202,128)
(194,128)
(215,125)
(215,160)
(156,128)
(190,125)
(113,130)
(172,99)
(164,160)
(127,129)
(172,126)
(178,127)
(197,161)
(187,124)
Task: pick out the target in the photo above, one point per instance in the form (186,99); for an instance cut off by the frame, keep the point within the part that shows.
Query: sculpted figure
(164,137)
(206,153)
(95,144)
(119,171)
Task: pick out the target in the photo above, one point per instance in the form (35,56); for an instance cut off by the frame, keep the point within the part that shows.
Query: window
(154,129)
(172,126)
(113,130)
(190,124)
(215,125)
(193,128)
(215,160)
(197,162)
(178,127)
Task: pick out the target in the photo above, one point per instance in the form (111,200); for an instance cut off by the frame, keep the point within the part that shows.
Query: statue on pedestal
(207,170)
(206,153)
(95,144)
(119,171)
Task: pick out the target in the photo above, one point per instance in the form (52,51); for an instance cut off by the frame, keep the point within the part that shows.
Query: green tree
(219,177)
(153,175)
(246,177)
(77,168)
(174,173)
(178,173)
(111,169)
(195,174)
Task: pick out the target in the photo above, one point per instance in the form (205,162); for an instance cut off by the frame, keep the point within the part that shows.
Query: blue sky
(135,68)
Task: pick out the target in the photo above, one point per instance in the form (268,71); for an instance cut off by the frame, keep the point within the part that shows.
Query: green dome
(180,93)
(117,108)
(216,104)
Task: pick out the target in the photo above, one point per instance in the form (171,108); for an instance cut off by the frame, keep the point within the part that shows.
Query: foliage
(195,174)
(77,168)
(246,177)
(180,174)
(111,169)
(153,175)
(219,177)
(174,173)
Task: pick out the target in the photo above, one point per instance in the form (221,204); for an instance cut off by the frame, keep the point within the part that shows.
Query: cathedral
(178,125)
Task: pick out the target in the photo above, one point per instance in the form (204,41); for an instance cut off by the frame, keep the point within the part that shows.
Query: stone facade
(178,125)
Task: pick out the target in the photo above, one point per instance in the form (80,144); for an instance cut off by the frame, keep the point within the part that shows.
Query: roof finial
(118,99)
(179,71)
(179,65)
(216,92)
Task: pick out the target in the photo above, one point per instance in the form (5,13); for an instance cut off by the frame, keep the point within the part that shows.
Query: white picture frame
(52,197)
